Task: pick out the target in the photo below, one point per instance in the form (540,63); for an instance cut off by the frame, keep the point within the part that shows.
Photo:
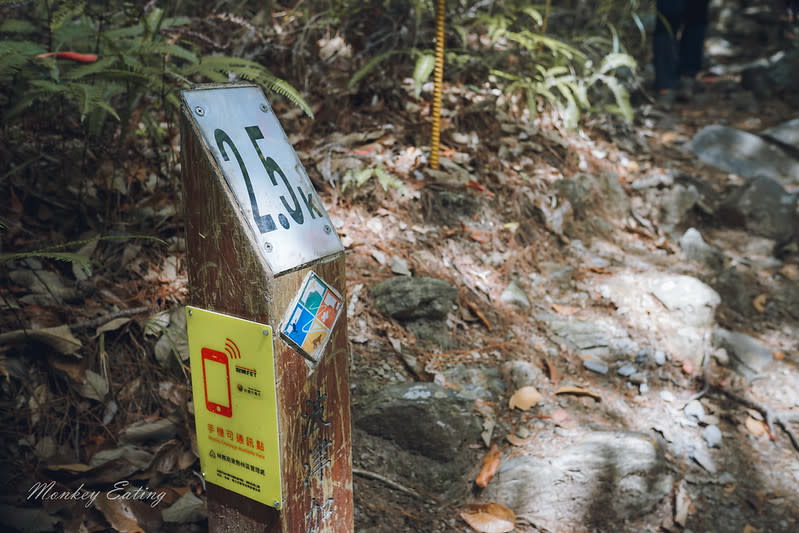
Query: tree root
(772,418)
(390,483)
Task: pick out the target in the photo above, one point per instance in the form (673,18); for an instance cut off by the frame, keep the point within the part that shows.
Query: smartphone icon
(216,381)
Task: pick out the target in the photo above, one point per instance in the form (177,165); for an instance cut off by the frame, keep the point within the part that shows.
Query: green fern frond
(617,60)
(214,68)
(65,11)
(284,88)
(101,66)
(160,48)
(18,26)
(14,55)
(534,14)
(81,260)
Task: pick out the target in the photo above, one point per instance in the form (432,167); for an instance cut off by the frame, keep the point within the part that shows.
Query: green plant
(357,178)
(547,53)
(54,252)
(555,68)
(129,63)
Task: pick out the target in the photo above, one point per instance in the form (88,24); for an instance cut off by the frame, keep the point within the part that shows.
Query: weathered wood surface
(228,274)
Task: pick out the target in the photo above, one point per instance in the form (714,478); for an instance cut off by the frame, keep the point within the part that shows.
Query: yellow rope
(438,82)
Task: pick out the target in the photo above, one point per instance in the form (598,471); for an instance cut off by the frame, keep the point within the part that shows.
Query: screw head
(266,332)
(276,504)
(199,110)
(268,247)
(190,312)
(328,229)
(264,108)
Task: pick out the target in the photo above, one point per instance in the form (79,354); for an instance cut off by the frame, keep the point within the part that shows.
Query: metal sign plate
(270,184)
(235,404)
(311,317)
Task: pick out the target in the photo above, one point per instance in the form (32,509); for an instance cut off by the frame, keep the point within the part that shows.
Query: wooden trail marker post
(262,248)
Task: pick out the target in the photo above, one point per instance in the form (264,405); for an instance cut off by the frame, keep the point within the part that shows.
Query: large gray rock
(749,356)
(696,249)
(604,337)
(737,289)
(421,417)
(676,310)
(744,154)
(586,193)
(604,480)
(778,76)
(786,133)
(407,298)
(763,207)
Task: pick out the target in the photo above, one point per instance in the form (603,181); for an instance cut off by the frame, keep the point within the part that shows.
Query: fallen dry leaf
(489,467)
(759,302)
(525,398)
(682,504)
(489,517)
(578,391)
(479,235)
(790,271)
(779,356)
(552,371)
(758,428)
(119,513)
(564,309)
(479,313)
(478,187)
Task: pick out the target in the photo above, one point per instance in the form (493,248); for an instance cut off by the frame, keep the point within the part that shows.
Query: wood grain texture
(229,274)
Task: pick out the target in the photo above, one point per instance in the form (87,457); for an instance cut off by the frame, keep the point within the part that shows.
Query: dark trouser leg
(665,44)
(693,37)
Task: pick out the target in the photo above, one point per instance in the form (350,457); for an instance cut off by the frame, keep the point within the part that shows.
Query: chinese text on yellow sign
(235,405)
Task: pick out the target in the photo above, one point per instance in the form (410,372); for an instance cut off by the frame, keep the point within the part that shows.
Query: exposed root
(772,418)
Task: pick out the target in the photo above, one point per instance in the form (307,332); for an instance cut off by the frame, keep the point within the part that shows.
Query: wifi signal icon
(232,349)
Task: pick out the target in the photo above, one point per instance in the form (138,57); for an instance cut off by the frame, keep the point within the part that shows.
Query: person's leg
(667,26)
(692,42)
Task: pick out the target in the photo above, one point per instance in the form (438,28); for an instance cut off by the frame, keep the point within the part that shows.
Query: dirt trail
(589,232)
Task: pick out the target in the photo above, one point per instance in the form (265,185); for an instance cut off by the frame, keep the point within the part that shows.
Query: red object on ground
(73,56)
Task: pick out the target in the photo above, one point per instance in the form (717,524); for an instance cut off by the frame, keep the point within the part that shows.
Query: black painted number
(266,221)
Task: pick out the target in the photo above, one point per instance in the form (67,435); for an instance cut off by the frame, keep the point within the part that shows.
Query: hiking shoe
(689,87)
(665,98)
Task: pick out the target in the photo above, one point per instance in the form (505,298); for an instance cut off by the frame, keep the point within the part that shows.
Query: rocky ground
(596,329)
(644,283)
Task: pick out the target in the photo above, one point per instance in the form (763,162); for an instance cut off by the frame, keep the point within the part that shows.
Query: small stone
(514,294)
(399,266)
(696,249)
(523,432)
(638,378)
(626,371)
(694,410)
(666,396)
(595,366)
(643,388)
(642,357)
(721,356)
(710,420)
(660,357)
(712,436)
(726,478)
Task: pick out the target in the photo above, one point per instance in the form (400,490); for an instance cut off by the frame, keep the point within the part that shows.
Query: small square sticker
(311,317)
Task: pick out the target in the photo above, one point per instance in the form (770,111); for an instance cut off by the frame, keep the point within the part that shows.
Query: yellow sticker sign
(235,404)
